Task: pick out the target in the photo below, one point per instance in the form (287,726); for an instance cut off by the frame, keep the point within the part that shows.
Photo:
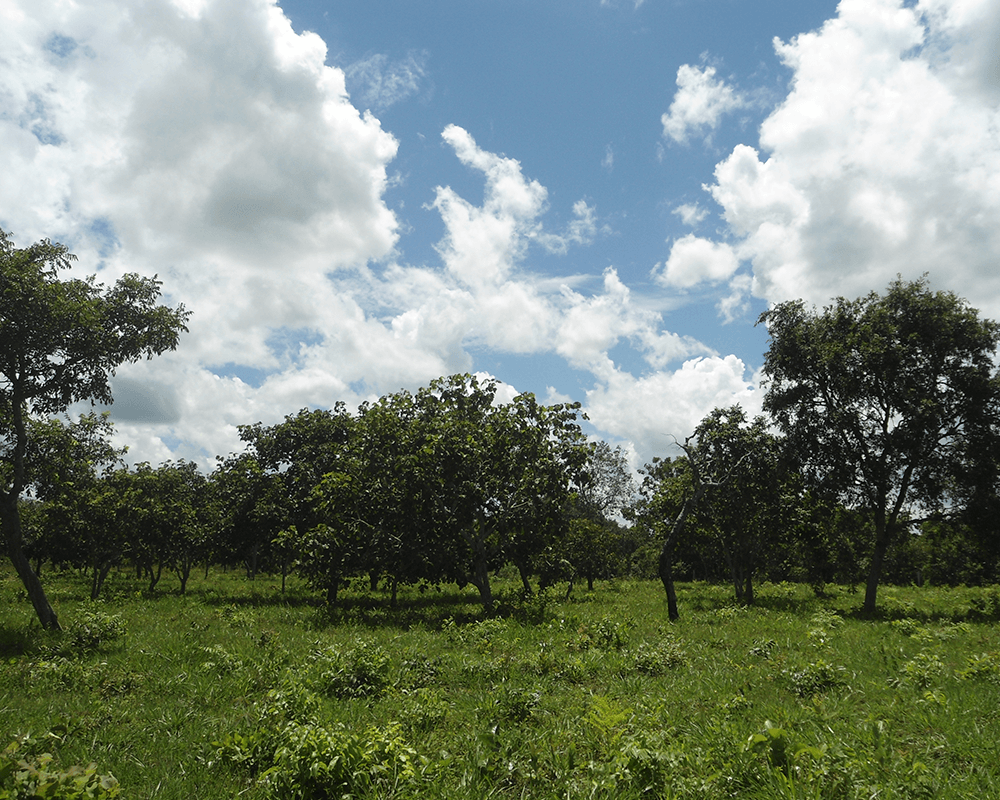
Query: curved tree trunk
(666,565)
(666,569)
(10,521)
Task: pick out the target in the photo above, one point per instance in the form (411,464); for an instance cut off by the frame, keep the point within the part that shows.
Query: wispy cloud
(378,83)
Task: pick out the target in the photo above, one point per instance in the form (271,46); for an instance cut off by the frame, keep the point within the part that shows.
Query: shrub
(763,648)
(96,629)
(529,609)
(659,658)
(816,678)
(514,704)
(312,762)
(361,671)
(25,777)
(606,634)
(982,667)
(920,671)
(424,709)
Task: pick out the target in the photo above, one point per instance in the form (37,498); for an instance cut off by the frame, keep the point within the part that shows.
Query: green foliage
(783,751)
(62,340)
(921,671)
(514,704)
(659,658)
(359,671)
(984,666)
(605,634)
(95,630)
(25,775)
(890,402)
(317,763)
(219,692)
(424,709)
(527,608)
(817,677)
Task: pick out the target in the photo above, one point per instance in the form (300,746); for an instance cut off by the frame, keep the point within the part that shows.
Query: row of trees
(883,437)
(441,485)
(883,421)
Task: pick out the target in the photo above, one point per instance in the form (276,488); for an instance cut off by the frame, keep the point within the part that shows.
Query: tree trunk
(251,561)
(481,580)
(10,521)
(154,576)
(667,551)
(332,590)
(878,558)
(525,581)
(667,577)
(480,577)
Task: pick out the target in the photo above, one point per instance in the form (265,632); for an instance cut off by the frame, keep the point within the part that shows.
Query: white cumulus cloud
(699,103)
(884,158)
(694,260)
(654,410)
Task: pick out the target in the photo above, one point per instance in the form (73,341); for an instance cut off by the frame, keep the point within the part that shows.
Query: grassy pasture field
(239,690)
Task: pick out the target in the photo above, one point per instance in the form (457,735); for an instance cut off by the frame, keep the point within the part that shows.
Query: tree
(61,342)
(173,513)
(887,401)
(743,464)
(64,465)
(596,544)
(294,455)
(608,487)
(254,510)
(507,473)
(671,491)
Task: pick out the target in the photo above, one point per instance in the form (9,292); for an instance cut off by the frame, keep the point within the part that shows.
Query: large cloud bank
(884,158)
(207,142)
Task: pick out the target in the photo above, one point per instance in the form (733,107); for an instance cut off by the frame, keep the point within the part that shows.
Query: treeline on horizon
(878,459)
(379,496)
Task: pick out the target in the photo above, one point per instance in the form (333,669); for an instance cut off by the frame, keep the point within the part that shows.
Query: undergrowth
(239,690)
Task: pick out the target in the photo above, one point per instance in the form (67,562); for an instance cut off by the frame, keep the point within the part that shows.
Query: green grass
(238,689)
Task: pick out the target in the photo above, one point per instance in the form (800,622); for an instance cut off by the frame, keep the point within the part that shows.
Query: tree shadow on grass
(430,610)
(254,599)
(20,640)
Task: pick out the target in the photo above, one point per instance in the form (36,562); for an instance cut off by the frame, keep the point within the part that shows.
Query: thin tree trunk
(666,570)
(878,558)
(667,551)
(332,590)
(525,581)
(11,524)
(154,576)
(481,580)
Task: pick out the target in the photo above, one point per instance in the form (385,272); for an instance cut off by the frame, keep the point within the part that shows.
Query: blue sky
(590,200)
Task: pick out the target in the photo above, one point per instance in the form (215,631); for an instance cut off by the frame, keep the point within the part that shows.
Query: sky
(591,200)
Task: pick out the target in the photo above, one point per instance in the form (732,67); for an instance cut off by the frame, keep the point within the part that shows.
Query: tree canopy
(885,401)
(62,342)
